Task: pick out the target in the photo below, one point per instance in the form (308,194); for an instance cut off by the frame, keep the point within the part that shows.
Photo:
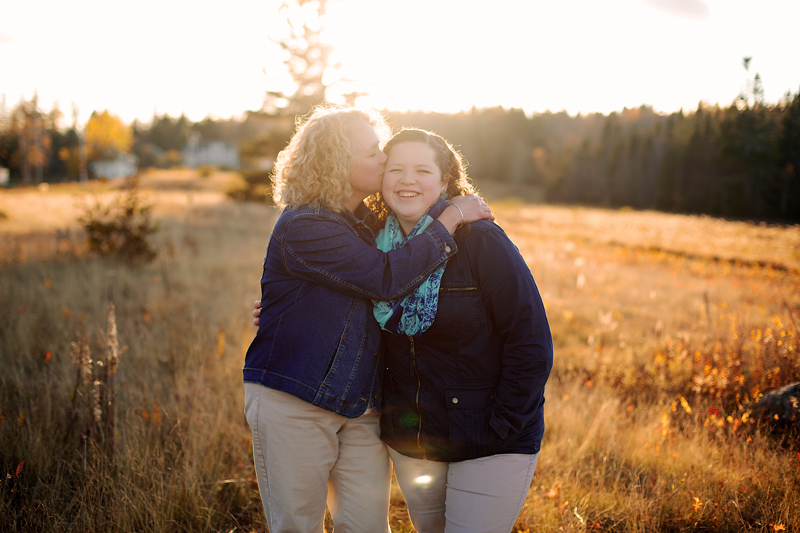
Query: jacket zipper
(454,289)
(416,399)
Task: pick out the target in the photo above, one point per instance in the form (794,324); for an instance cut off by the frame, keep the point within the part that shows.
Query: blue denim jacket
(317,339)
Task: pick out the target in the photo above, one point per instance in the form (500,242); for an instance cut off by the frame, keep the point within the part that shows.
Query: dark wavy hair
(451,164)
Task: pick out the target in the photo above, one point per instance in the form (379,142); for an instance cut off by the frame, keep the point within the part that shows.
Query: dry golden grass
(656,319)
(42,222)
(179,397)
(653,316)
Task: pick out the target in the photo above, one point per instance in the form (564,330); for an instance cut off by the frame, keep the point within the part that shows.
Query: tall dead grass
(661,353)
(181,459)
(662,356)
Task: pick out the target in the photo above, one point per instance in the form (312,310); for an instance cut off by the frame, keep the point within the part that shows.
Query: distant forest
(739,161)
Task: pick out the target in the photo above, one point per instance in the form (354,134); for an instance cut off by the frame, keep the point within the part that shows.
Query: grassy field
(668,331)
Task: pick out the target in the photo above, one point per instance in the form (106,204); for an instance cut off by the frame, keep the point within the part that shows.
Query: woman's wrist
(450,218)
(460,212)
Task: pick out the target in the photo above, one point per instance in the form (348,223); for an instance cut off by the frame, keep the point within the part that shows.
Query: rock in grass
(780,406)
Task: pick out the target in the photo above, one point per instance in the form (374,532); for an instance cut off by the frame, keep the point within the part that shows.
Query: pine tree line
(738,161)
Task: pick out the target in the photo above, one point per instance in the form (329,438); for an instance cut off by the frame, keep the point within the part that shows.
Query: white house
(122,167)
(214,153)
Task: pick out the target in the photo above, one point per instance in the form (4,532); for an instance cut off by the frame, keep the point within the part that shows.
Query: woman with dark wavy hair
(312,375)
(467,355)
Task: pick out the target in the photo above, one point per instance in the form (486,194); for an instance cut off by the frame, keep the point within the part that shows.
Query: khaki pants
(481,495)
(305,455)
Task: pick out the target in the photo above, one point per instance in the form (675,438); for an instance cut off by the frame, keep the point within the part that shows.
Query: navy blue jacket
(472,385)
(317,339)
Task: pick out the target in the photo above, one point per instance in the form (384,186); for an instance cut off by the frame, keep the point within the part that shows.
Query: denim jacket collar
(363,215)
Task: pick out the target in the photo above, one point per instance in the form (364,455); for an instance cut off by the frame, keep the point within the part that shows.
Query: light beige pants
(305,455)
(481,495)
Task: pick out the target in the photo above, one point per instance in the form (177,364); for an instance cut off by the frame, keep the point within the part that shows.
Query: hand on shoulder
(472,208)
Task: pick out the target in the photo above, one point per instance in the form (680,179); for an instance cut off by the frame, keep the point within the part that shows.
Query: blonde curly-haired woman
(313,372)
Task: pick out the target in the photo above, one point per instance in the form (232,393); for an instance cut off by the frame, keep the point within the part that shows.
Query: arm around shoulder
(324,249)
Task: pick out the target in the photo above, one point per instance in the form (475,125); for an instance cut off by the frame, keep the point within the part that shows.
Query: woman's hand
(470,208)
(256,312)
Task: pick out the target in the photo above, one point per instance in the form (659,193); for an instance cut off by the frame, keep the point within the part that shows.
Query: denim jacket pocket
(468,417)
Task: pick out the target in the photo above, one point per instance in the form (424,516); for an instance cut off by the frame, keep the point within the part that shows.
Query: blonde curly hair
(451,163)
(315,167)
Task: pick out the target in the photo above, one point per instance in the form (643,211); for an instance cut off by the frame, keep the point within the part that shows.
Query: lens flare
(423,480)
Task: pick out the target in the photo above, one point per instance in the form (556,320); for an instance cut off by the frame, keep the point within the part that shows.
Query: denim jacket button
(447,248)
(455,400)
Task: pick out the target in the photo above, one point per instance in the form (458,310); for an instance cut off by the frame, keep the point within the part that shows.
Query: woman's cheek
(387,186)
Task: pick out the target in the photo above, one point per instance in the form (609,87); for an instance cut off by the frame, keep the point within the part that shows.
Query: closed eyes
(419,170)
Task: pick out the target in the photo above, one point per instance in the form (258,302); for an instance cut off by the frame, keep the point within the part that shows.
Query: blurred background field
(669,330)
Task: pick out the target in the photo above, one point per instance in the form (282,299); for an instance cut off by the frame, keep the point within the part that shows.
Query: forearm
(520,391)
(451,218)
(513,301)
(464,209)
(341,260)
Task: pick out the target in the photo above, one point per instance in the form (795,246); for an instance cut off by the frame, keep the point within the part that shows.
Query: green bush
(122,228)
(205,171)
(256,187)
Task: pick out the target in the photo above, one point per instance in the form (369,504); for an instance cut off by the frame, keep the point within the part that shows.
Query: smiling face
(366,170)
(412,182)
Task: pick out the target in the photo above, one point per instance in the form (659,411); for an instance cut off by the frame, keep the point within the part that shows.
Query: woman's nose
(383,158)
(407,177)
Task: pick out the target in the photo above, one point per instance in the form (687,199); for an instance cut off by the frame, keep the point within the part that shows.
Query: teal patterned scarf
(414,313)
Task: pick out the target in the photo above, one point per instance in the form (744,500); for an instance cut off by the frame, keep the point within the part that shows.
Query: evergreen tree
(789,159)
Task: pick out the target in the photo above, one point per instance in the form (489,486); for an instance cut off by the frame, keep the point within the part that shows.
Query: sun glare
(444,56)
(580,56)
(423,480)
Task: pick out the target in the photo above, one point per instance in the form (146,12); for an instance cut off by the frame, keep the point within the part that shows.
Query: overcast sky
(216,58)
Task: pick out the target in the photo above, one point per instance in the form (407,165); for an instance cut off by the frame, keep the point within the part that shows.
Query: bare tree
(308,58)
